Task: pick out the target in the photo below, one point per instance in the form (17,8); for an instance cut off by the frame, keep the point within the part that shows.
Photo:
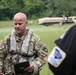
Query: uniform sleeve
(62,58)
(2,48)
(41,58)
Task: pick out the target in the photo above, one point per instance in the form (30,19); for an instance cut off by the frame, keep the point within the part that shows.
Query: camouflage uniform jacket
(33,50)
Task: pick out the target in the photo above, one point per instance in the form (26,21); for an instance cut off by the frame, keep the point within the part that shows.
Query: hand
(29,69)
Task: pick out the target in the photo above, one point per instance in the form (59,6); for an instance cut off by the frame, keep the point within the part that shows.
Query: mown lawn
(48,34)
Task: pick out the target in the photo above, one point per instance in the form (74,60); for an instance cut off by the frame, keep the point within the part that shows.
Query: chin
(18,32)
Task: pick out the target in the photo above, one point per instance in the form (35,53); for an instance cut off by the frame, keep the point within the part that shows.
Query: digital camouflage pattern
(36,53)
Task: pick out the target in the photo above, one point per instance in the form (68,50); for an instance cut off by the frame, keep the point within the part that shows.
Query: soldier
(20,46)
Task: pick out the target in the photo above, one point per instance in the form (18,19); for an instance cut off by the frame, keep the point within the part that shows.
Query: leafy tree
(33,8)
(37,8)
(10,7)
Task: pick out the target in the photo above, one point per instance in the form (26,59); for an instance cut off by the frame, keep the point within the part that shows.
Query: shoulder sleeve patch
(56,57)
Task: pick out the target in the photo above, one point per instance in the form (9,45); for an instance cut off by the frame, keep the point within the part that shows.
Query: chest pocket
(31,49)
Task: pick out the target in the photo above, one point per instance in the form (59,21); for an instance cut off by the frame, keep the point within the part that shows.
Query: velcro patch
(56,56)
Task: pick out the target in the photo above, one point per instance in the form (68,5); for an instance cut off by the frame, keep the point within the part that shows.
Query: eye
(15,23)
(18,23)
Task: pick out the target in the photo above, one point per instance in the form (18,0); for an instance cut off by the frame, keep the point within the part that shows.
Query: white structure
(60,20)
(72,18)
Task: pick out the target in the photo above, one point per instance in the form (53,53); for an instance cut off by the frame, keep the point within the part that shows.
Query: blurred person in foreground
(62,59)
(20,46)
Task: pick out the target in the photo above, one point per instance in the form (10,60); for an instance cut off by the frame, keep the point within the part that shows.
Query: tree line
(35,9)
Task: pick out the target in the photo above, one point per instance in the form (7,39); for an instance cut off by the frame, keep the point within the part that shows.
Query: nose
(17,25)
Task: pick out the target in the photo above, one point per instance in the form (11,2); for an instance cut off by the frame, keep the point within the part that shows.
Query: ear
(26,22)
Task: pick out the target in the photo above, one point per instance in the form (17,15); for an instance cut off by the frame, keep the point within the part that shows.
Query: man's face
(20,25)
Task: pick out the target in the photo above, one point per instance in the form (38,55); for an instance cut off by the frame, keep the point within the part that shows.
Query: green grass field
(48,34)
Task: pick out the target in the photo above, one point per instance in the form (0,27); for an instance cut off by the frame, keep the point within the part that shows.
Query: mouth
(17,30)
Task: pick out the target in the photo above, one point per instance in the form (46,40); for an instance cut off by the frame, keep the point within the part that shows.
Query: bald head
(20,23)
(20,16)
